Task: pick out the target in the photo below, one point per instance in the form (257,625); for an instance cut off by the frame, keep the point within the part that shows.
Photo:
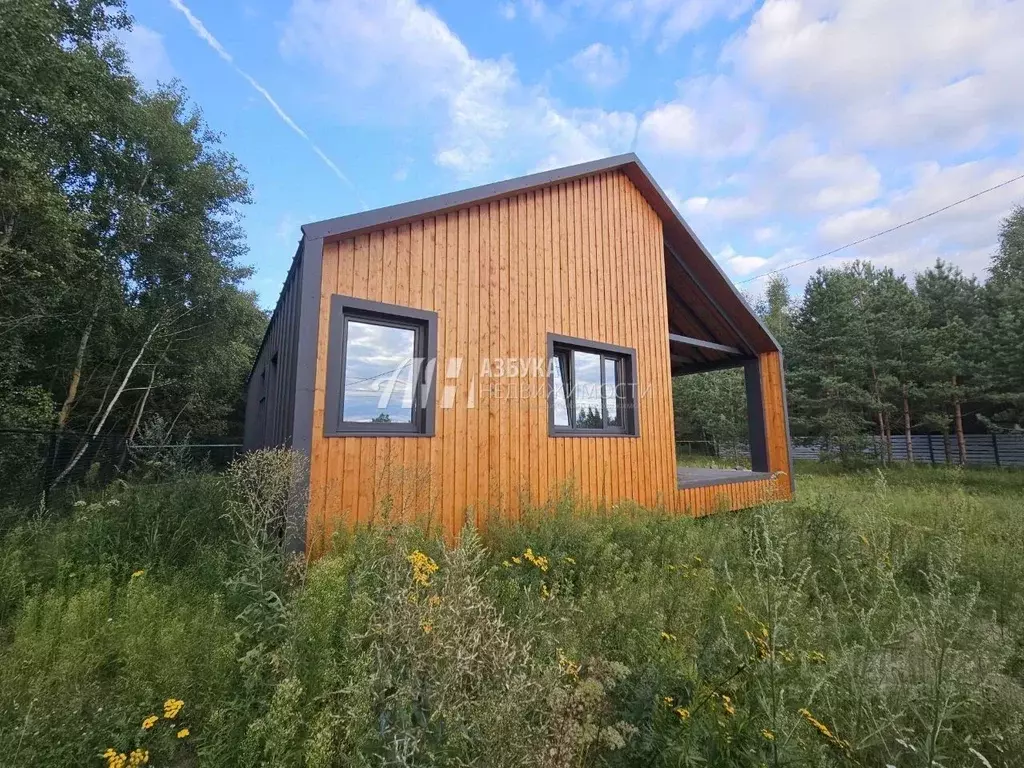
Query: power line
(883,232)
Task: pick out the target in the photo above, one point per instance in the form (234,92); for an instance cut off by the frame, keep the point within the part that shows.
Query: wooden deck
(698,477)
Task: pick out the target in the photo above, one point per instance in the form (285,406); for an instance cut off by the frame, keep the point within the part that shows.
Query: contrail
(200,29)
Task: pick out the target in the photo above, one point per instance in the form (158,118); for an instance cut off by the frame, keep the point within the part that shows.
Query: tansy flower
(544,594)
(183,733)
(149,722)
(567,666)
(172,707)
(115,759)
(768,735)
(422,567)
(841,744)
(667,700)
(668,637)
(427,627)
(727,705)
(138,757)
(682,712)
(569,560)
(138,573)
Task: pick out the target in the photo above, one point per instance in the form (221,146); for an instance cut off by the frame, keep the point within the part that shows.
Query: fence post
(995,447)
(931,450)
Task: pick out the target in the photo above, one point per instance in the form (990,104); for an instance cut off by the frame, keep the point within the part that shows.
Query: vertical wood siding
(584,258)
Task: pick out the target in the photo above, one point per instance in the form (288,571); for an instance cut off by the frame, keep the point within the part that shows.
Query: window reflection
(380,373)
(611,389)
(561,391)
(590,390)
(587,389)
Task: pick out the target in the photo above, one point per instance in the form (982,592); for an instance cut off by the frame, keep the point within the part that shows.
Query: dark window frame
(627,407)
(424,323)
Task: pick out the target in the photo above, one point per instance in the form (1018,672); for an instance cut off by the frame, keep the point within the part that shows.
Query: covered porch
(711,330)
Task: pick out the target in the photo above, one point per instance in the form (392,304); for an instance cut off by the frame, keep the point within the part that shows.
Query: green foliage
(875,621)
(119,237)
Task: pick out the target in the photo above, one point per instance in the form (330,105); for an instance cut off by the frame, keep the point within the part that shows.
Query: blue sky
(781,128)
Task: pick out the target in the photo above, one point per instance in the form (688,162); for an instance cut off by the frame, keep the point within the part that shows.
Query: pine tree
(1003,339)
(952,303)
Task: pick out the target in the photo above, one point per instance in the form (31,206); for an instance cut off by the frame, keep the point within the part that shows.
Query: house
(466,353)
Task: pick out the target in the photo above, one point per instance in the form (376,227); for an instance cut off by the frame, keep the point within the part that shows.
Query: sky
(781,129)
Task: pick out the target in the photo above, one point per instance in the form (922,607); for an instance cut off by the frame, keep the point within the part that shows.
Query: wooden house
(470,353)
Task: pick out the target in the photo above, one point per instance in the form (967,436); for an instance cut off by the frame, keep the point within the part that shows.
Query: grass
(877,620)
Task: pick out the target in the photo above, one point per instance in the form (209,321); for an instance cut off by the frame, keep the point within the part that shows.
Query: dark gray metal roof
(702,271)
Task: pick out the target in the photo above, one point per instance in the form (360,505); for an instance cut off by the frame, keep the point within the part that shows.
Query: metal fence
(32,461)
(1005,450)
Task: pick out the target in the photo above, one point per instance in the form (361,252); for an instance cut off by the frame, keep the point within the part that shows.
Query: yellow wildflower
(682,712)
(138,573)
(768,735)
(668,700)
(183,733)
(138,757)
(569,560)
(422,567)
(841,744)
(433,601)
(150,721)
(115,759)
(506,564)
(517,560)
(544,593)
(172,707)
(568,667)
(427,627)
(539,561)
(727,705)
(668,637)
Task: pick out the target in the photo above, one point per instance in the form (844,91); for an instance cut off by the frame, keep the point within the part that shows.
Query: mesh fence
(33,462)
(1006,450)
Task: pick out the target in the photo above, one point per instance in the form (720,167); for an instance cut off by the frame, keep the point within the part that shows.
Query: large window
(380,369)
(592,388)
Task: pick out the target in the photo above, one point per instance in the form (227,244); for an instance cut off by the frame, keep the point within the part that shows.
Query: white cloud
(147,54)
(737,263)
(965,235)
(911,73)
(711,118)
(666,20)
(766,234)
(507,11)
(398,59)
(548,20)
(599,66)
(716,210)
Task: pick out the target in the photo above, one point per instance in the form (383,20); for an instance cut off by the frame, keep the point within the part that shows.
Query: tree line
(121,277)
(869,352)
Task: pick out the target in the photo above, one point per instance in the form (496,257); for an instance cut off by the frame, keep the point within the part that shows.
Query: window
(380,374)
(592,388)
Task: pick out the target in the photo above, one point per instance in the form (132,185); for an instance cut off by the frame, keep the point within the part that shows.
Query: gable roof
(703,303)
